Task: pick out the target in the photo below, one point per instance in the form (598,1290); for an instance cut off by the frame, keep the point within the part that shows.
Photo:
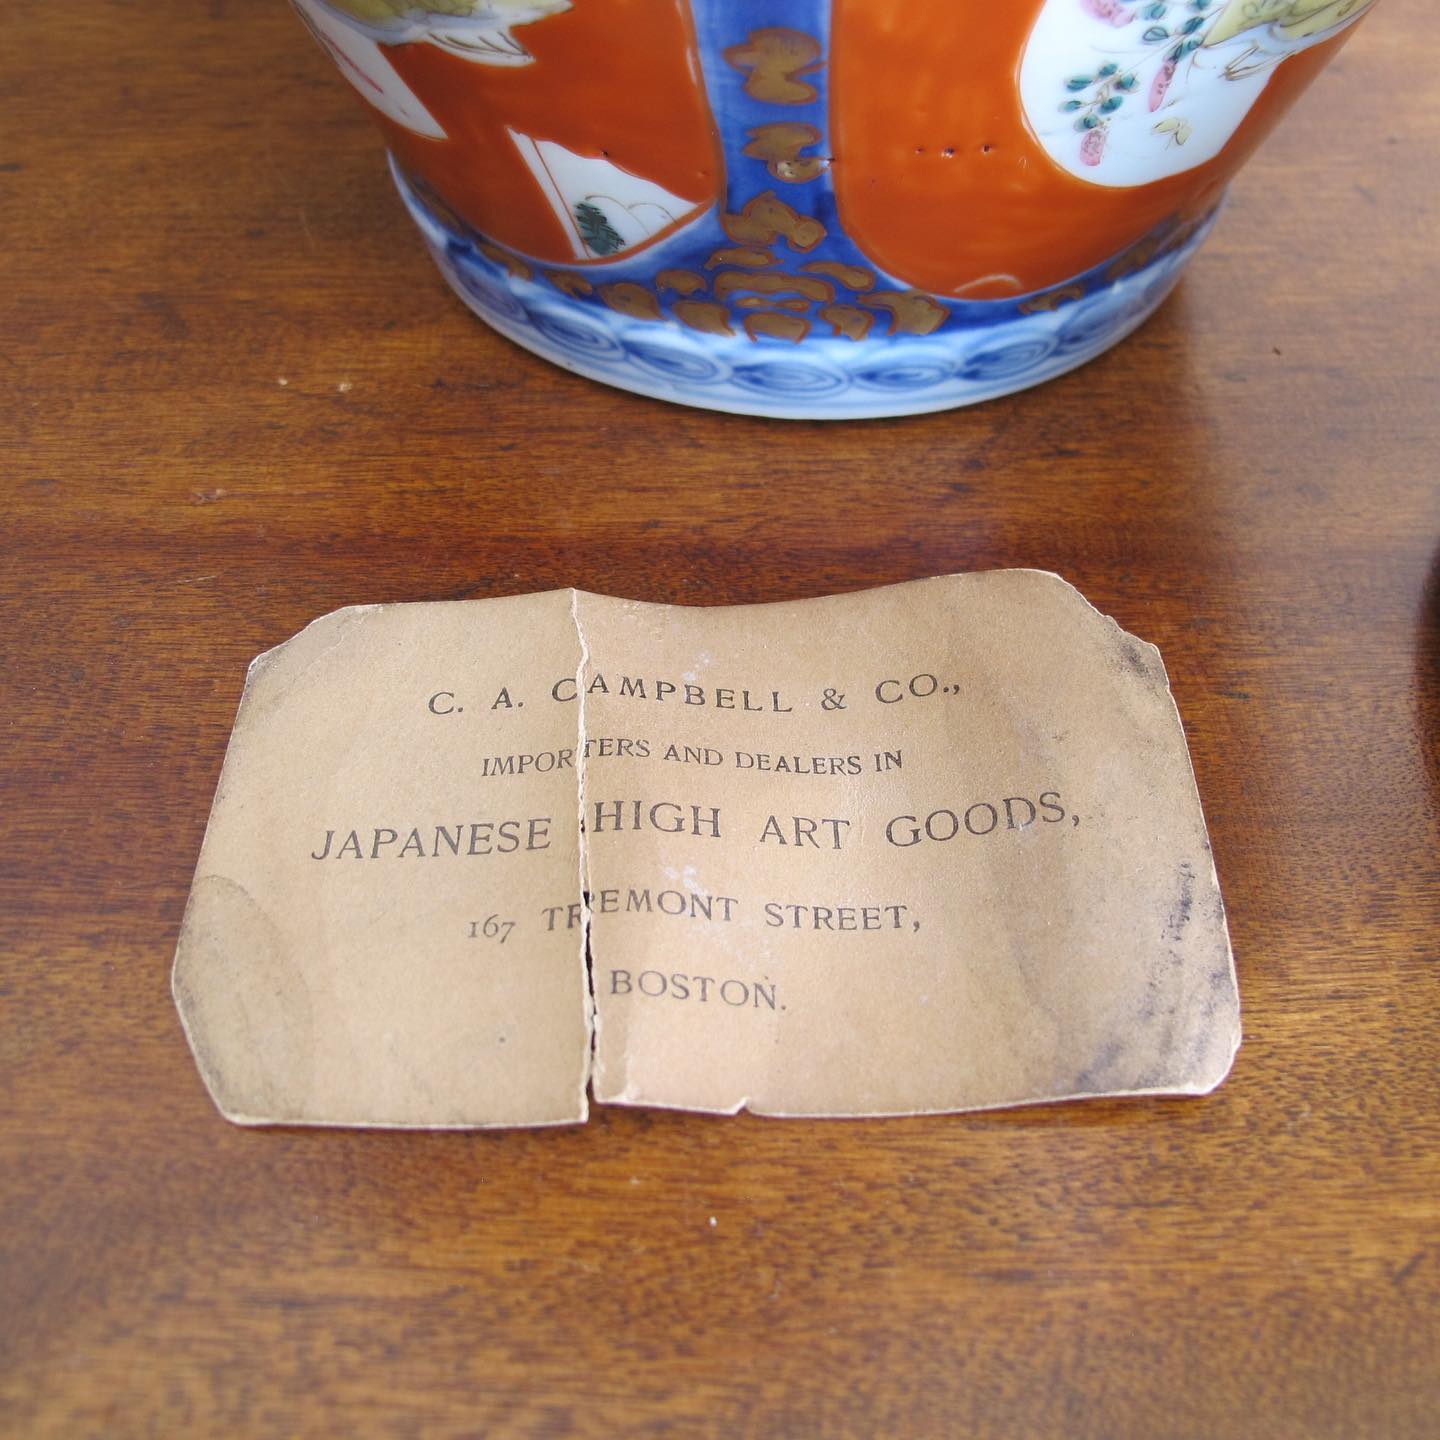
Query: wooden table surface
(237,396)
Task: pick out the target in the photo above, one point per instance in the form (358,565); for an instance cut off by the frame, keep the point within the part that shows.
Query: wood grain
(236,396)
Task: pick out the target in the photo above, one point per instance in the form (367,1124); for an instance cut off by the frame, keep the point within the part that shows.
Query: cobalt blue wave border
(822,379)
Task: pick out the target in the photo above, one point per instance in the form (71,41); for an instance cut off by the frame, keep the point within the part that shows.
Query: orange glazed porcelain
(821,208)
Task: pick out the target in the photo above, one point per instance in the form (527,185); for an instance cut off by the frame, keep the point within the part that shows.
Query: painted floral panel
(1127,92)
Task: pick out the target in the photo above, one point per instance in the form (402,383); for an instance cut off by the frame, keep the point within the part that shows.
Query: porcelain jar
(821,208)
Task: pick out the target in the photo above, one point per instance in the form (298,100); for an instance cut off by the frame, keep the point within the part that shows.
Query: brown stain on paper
(245,1004)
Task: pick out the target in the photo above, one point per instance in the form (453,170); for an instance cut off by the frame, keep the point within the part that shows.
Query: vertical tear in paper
(592,1019)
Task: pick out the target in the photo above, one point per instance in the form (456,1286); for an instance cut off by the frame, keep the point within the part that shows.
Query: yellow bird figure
(1287,19)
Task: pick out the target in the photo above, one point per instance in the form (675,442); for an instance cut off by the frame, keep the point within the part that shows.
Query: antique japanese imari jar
(821,208)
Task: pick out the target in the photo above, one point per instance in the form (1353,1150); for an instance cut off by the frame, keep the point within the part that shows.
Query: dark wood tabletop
(236,395)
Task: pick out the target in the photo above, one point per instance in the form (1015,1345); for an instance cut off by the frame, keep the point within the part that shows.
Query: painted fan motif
(605,210)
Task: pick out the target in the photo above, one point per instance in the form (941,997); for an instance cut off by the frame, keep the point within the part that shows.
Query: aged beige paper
(928,848)
(932,847)
(362,944)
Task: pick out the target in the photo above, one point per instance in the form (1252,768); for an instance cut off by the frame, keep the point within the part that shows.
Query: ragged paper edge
(346,618)
(256,669)
(357,613)
(1153,656)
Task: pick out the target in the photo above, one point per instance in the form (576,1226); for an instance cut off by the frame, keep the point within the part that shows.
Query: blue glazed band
(984,349)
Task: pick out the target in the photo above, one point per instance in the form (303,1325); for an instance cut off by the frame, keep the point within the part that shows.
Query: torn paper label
(927,848)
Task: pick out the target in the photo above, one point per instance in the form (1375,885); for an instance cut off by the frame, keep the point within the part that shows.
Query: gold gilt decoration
(776,58)
(571,284)
(1137,257)
(848,321)
(777,327)
(852,277)
(767,218)
(631,299)
(779,146)
(1152,247)
(682,282)
(1051,299)
(732,282)
(513,263)
(911,311)
(743,255)
(436,203)
(748,287)
(703,315)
